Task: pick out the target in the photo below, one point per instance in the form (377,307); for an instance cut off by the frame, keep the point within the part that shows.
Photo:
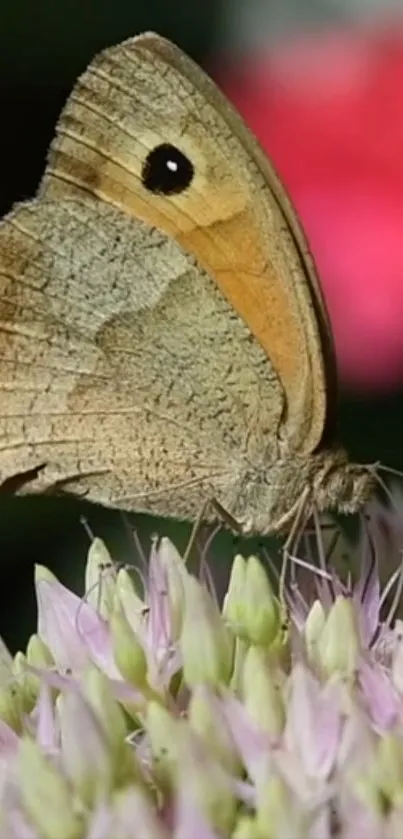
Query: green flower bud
(314,626)
(177,576)
(44,573)
(38,654)
(12,704)
(98,691)
(240,651)
(248,827)
(202,780)
(133,605)
(86,752)
(368,791)
(28,683)
(263,693)
(128,652)
(390,767)
(339,646)
(206,722)
(46,795)
(135,815)
(206,644)
(6,662)
(251,607)
(278,810)
(164,731)
(234,607)
(99,694)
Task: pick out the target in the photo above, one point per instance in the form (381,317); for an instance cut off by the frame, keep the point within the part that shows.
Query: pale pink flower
(129,720)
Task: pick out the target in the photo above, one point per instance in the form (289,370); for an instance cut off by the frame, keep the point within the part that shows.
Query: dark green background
(43,47)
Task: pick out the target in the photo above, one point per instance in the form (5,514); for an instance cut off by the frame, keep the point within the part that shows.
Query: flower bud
(248,827)
(177,576)
(233,608)
(28,683)
(42,572)
(390,767)
(250,606)
(205,784)
(279,812)
(11,690)
(85,747)
(240,651)
(46,796)
(367,789)
(163,730)
(314,626)
(12,704)
(262,693)
(206,643)
(205,719)
(98,691)
(339,647)
(135,815)
(133,605)
(127,650)
(38,654)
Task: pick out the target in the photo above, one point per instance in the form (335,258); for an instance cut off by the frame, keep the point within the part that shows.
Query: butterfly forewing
(163,337)
(145,93)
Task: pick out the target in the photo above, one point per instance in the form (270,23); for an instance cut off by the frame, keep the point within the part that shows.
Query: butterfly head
(296,485)
(339,484)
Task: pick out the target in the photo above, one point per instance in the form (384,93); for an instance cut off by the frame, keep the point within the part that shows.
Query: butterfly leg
(223,516)
(301,517)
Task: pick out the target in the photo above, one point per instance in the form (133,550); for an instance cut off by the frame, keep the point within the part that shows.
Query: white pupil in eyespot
(172,165)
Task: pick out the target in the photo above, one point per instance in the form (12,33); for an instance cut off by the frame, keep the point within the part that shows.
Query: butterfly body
(163,339)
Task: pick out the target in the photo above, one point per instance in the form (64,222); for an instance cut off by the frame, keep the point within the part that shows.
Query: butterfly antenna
(380,467)
(298,525)
(376,468)
(389,585)
(369,571)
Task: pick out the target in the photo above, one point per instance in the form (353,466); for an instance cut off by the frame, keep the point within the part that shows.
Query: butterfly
(163,336)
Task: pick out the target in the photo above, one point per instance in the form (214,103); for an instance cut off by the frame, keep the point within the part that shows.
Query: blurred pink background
(329,110)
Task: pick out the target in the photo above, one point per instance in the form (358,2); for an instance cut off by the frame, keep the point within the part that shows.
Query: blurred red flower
(329,110)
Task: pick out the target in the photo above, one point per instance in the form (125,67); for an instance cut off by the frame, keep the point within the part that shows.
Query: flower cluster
(157,714)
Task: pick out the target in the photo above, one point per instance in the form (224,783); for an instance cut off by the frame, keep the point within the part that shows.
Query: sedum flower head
(161,715)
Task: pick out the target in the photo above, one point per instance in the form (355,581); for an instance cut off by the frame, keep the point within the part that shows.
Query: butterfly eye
(167,171)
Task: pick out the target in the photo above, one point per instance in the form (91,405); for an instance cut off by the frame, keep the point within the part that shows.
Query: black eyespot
(167,171)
